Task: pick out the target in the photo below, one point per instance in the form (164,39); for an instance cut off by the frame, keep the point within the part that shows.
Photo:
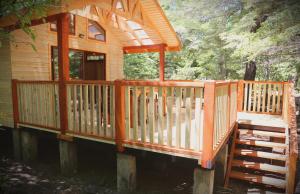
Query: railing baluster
(188,116)
(135,114)
(143,113)
(151,114)
(160,116)
(178,116)
(170,114)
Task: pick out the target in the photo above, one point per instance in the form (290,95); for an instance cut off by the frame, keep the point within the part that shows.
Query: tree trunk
(250,71)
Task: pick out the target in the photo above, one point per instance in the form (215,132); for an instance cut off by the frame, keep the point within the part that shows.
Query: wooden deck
(267,120)
(186,119)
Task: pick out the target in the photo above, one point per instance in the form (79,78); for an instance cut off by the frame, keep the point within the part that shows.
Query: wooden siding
(6,111)
(28,64)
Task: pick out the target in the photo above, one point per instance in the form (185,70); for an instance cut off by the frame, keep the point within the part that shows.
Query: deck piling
(68,157)
(29,144)
(220,167)
(16,136)
(203,181)
(126,173)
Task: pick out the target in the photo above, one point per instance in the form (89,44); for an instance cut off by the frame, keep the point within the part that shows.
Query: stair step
(262,128)
(261,143)
(261,133)
(260,154)
(278,183)
(259,166)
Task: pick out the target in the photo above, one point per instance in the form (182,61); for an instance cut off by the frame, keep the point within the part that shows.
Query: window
(53,25)
(76,63)
(96,31)
(94,57)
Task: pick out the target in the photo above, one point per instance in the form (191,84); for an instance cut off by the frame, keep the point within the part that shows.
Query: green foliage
(24,11)
(141,66)
(220,36)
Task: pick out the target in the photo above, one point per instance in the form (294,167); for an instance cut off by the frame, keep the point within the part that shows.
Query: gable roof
(133,22)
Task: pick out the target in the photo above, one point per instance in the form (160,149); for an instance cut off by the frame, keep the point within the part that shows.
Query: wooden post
(15,102)
(63,67)
(162,62)
(240,96)
(120,114)
(208,133)
(229,106)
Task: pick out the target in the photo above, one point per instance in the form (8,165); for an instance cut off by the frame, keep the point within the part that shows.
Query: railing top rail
(266,82)
(162,84)
(36,81)
(90,82)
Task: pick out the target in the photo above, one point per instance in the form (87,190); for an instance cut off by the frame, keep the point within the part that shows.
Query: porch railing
(262,97)
(38,103)
(189,119)
(91,109)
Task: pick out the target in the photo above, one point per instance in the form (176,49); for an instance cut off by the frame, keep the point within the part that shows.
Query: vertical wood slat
(105,111)
(264,98)
(112,110)
(246,98)
(258,98)
(178,116)
(135,114)
(75,112)
(143,113)
(151,114)
(188,117)
(198,118)
(81,114)
(92,107)
(160,116)
(269,98)
(127,112)
(278,98)
(274,98)
(254,97)
(169,115)
(86,107)
(99,117)
(250,97)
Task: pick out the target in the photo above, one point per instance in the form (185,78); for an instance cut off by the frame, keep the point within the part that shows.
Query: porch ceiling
(133,22)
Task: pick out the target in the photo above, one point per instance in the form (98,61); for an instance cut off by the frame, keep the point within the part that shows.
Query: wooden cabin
(99,35)
(73,85)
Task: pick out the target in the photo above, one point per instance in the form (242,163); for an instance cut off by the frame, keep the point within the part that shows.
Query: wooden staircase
(258,156)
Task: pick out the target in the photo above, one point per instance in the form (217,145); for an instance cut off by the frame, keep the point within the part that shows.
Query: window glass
(76,63)
(53,25)
(93,57)
(96,31)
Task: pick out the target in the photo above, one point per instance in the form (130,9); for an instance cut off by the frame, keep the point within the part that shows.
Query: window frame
(88,32)
(70,31)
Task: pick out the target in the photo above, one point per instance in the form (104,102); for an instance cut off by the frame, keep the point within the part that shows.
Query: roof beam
(143,48)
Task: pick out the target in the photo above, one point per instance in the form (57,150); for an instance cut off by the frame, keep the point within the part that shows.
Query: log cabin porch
(190,119)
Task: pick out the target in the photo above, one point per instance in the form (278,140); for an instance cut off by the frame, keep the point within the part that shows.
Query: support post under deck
(203,181)
(16,136)
(68,157)
(126,173)
(221,166)
(29,145)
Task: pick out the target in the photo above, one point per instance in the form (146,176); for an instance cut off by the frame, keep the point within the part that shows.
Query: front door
(94,66)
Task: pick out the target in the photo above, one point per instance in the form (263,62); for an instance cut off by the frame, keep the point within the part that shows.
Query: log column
(162,49)
(67,148)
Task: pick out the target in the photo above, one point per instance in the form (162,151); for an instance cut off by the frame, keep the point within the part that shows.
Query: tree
(24,11)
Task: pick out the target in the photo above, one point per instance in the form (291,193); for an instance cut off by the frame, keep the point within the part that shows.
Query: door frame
(81,70)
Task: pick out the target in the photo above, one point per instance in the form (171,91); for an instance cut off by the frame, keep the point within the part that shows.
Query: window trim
(92,38)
